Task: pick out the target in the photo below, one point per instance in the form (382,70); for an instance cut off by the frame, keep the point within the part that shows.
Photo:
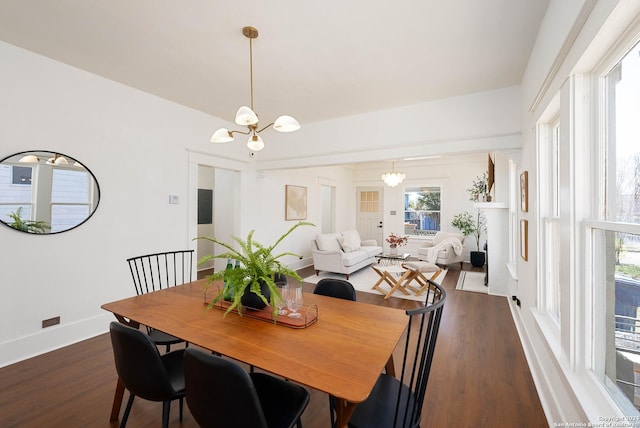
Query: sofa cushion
(353,258)
(371,251)
(328,242)
(350,241)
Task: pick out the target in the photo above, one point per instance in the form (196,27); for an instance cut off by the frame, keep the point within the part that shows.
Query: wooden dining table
(341,354)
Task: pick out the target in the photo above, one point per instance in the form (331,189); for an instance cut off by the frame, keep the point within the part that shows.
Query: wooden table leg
(344,410)
(117,401)
(390,368)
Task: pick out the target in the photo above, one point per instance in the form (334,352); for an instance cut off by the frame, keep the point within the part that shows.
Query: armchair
(445,248)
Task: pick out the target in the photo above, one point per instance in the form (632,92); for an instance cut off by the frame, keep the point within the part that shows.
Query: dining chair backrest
(153,272)
(341,289)
(334,287)
(220,393)
(144,372)
(396,401)
(138,363)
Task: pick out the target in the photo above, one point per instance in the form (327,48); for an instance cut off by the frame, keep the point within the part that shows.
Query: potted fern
(29,226)
(253,284)
(469,225)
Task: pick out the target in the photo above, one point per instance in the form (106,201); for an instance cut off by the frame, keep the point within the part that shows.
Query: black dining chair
(341,289)
(146,373)
(334,287)
(153,272)
(220,394)
(396,402)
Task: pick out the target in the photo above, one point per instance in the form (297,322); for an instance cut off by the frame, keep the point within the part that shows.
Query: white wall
(135,144)
(484,122)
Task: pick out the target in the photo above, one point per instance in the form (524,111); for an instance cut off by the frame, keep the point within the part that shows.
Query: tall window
(422,210)
(616,241)
(70,198)
(15,191)
(549,182)
(61,197)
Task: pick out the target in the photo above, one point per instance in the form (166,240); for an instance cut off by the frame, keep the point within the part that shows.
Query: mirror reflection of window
(46,192)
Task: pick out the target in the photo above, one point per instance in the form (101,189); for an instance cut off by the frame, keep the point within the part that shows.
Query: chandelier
(247,117)
(393,178)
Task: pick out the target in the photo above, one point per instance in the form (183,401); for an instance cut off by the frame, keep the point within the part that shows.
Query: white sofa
(343,253)
(444,249)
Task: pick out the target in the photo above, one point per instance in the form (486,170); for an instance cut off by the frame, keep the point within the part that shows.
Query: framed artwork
(524,191)
(295,205)
(491,173)
(524,239)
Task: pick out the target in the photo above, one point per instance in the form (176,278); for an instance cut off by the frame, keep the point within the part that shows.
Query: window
(70,198)
(616,241)
(369,201)
(422,210)
(549,184)
(15,191)
(62,197)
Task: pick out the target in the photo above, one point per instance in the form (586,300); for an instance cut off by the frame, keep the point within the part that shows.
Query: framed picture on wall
(295,203)
(524,239)
(524,191)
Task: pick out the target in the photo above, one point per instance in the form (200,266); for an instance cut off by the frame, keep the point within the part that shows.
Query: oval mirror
(46,192)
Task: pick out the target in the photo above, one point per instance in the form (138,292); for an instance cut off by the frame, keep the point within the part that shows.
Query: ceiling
(313,60)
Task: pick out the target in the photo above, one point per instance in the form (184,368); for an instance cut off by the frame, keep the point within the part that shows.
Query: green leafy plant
(469,225)
(258,265)
(479,186)
(30,226)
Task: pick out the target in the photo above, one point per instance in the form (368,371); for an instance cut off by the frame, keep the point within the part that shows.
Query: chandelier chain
(251,69)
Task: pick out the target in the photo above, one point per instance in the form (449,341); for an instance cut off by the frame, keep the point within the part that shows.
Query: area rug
(472,281)
(364,279)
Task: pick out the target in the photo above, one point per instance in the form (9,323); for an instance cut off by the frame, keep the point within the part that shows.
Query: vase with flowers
(396,241)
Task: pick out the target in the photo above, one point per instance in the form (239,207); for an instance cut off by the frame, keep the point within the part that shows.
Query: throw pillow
(328,242)
(350,241)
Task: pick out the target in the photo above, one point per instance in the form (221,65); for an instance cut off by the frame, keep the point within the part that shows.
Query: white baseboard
(53,338)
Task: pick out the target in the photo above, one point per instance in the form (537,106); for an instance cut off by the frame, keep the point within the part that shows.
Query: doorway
(327,208)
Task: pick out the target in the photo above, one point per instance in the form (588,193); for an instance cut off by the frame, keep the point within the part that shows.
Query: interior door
(369,213)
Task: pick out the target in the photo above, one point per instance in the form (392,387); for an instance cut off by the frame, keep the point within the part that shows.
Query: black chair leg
(299,423)
(166,406)
(332,408)
(127,409)
(181,406)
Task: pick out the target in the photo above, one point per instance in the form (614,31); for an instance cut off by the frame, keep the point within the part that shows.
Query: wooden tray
(309,314)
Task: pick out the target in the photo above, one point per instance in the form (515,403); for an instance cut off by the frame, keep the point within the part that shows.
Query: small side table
(394,275)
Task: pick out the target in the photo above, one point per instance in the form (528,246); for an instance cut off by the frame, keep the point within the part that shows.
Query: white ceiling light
(247,117)
(29,159)
(393,178)
(57,160)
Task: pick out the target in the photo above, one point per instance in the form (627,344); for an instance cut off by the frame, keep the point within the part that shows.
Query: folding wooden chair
(416,272)
(394,275)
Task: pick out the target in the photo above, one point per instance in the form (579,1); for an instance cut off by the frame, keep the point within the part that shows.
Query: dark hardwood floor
(479,376)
